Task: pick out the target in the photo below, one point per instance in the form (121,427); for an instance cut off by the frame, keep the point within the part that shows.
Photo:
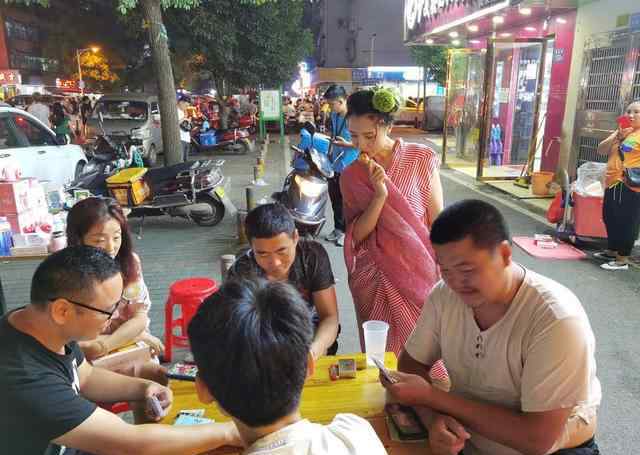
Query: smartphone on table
(183,371)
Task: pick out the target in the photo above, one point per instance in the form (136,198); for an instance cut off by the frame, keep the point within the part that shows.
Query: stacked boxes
(24,203)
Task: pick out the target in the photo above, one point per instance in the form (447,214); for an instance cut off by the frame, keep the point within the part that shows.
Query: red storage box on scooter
(587,212)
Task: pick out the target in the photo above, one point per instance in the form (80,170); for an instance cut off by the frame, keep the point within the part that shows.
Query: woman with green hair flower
(392,195)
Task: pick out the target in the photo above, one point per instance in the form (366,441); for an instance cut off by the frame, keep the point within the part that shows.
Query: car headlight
(309,187)
(140,134)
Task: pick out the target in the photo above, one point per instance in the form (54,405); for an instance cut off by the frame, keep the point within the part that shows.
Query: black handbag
(631,174)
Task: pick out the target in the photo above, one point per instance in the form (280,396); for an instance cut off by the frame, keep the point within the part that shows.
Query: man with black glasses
(47,389)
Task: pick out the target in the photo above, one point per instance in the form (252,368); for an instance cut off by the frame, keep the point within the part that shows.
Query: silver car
(136,115)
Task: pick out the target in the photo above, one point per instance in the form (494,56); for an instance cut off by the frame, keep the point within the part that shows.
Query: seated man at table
(251,341)
(518,347)
(278,254)
(47,389)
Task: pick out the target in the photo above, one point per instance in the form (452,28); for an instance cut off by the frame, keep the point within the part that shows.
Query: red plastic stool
(188,295)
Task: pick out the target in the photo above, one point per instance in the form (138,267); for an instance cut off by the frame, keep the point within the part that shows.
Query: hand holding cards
(156,409)
(383,370)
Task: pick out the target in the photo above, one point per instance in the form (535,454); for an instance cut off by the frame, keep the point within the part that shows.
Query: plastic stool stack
(187,295)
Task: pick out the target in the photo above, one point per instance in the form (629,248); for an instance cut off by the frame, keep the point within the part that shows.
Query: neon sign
(10,77)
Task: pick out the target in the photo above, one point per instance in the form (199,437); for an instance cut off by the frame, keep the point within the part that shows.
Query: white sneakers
(615,265)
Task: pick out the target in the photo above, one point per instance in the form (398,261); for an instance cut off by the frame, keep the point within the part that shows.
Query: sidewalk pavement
(173,248)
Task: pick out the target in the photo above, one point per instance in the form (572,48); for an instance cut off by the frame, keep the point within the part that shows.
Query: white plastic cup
(375,340)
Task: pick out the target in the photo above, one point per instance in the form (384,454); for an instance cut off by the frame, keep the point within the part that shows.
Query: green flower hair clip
(385,100)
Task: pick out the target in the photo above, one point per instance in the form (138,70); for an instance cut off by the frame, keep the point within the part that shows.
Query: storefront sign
(67,85)
(634,22)
(10,77)
(359,74)
(420,15)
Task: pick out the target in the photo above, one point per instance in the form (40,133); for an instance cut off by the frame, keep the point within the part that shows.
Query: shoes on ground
(615,265)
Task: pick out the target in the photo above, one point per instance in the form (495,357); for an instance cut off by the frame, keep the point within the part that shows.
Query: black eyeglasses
(88,307)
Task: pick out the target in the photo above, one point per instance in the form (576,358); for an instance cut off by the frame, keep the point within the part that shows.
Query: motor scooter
(106,156)
(206,139)
(305,192)
(194,190)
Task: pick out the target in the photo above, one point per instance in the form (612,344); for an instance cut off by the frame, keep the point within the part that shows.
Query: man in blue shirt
(342,153)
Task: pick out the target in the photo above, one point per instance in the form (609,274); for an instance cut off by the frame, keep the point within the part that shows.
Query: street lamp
(79,52)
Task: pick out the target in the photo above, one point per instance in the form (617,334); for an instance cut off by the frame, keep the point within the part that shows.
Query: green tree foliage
(434,60)
(244,43)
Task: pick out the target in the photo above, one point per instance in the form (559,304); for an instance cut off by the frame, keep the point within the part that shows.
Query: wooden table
(322,399)
(5,259)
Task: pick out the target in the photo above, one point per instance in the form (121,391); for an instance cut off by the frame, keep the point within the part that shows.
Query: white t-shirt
(39,111)
(348,434)
(185,136)
(538,357)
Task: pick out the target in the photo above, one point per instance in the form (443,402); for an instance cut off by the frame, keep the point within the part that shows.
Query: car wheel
(79,168)
(152,156)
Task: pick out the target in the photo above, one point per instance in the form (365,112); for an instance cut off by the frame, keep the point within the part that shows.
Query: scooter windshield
(322,162)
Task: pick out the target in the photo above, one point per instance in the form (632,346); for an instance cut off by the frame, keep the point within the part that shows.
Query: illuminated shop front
(507,80)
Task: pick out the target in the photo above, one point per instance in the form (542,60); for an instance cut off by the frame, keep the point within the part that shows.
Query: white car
(35,147)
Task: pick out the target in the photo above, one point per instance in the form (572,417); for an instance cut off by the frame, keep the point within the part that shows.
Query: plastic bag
(591,178)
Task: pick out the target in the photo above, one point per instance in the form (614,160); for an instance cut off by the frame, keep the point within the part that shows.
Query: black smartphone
(406,421)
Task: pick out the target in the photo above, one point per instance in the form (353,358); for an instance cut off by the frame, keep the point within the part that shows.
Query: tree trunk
(166,87)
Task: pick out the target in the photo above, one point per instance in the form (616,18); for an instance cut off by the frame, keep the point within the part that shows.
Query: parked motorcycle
(306,190)
(193,190)
(206,139)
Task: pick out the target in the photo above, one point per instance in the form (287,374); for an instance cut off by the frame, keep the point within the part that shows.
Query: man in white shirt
(518,347)
(251,341)
(183,121)
(39,110)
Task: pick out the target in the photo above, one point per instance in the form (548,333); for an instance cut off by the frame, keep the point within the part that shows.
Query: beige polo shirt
(538,357)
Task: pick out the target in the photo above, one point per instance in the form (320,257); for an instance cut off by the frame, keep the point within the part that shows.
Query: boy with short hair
(251,341)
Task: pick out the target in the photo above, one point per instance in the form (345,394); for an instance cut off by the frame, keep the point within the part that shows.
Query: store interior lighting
(498,20)
(456,42)
(560,20)
(472,28)
(525,11)
(530,29)
(474,41)
(453,34)
(429,41)
(505,35)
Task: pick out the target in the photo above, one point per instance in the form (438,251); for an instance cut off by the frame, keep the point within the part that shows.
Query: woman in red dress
(392,194)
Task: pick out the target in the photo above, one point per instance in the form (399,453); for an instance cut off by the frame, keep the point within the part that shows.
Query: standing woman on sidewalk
(621,211)
(392,195)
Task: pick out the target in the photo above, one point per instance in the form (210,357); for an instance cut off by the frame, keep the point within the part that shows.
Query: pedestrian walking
(85,112)
(621,208)
(392,195)
(38,109)
(185,126)
(60,123)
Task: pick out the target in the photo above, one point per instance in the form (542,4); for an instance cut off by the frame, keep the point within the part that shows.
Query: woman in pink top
(392,194)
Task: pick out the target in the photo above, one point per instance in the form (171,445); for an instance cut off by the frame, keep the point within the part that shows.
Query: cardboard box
(23,223)
(30,251)
(14,197)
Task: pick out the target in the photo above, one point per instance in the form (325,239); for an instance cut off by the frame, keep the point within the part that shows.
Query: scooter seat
(166,173)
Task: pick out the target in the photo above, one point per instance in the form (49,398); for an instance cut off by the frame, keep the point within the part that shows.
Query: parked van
(131,114)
